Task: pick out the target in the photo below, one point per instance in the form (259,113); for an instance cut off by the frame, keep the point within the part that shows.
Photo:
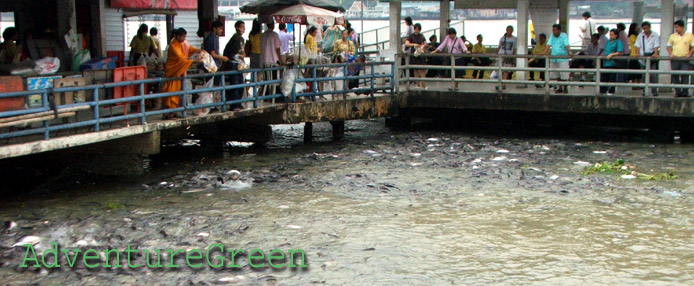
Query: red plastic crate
(10,84)
(128,74)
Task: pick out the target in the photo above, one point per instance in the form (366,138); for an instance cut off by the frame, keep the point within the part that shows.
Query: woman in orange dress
(177,63)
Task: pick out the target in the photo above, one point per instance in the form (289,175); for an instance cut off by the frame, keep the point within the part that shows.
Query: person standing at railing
(141,45)
(285,38)
(634,31)
(648,45)
(623,64)
(312,47)
(252,47)
(271,54)
(587,28)
(234,51)
(433,61)
(613,48)
(479,49)
(211,45)
(558,45)
(679,46)
(602,31)
(591,50)
(177,63)
(416,44)
(454,45)
(507,46)
(538,62)
(344,45)
(154,33)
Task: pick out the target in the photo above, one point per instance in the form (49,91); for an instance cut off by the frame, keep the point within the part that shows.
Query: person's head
(361,59)
(452,33)
(154,31)
(621,27)
(614,33)
(10,34)
(595,38)
(634,29)
(463,38)
(433,38)
(256,28)
(338,59)
(283,27)
(679,27)
(480,38)
(180,34)
(142,31)
(217,27)
(601,30)
(646,27)
(556,30)
(586,15)
(509,30)
(270,26)
(408,21)
(311,31)
(345,35)
(417,28)
(542,38)
(240,27)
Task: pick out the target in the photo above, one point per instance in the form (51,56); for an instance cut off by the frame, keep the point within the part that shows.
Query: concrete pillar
(67,26)
(207,12)
(637,15)
(522,44)
(444,17)
(98,28)
(395,18)
(338,129)
(564,16)
(666,29)
(142,144)
(308,132)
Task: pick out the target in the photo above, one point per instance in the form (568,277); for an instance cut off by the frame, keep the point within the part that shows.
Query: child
(355,70)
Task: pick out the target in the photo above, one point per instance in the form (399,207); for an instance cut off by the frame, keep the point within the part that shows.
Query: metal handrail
(142,114)
(646,72)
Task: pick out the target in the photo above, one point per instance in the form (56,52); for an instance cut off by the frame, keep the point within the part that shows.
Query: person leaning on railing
(613,48)
(679,46)
(177,63)
(558,45)
(433,61)
(454,45)
(507,46)
(648,45)
(235,53)
(538,50)
(416,43)
(479,49)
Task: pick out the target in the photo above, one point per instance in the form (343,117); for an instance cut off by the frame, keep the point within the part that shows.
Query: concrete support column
(522,44)
(308,132)
(98,28)
(67,26)
(666,29)
(564,16)
(637,15)
(207,12)
(395,15)
(338,129)
(444,17)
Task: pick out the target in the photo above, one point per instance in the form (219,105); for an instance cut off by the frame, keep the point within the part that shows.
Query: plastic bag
(79,58)
(494,75)
(205,97)
(187,85)
(47,65)
(288,79)
(207,62)
(331,35)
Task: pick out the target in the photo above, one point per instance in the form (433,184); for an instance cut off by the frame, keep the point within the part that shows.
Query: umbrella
(269,6)
(306,14)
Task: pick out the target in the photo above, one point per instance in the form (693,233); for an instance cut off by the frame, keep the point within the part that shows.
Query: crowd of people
(613,44)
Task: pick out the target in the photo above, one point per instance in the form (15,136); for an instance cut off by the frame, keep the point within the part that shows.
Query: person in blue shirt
(558,45)
(614,47)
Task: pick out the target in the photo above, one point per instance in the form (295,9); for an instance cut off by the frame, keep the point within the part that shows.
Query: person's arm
(441,45)
(568,48)
(669,47)
(352,50)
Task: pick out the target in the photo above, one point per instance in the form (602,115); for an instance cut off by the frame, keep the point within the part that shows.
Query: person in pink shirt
(271,53)
(454,45)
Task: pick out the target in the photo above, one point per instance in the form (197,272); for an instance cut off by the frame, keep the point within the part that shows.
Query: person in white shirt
(603,39)
(587,29)
(285,38)
(648,45)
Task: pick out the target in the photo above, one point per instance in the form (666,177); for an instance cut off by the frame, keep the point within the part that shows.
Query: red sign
(156,4)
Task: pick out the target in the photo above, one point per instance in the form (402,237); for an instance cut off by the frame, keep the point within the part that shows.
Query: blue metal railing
(97,120)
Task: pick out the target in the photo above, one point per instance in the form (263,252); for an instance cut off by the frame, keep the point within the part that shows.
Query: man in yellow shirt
(479,49)
(679,46)
(538,50)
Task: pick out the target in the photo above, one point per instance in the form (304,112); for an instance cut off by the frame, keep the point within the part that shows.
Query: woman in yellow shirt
(177,63)
(141,45)
(634,30)
(344,45)
(479,48)
(310,39)
(254,44)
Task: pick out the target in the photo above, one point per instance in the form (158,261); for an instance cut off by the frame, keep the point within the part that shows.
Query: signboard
(156,4)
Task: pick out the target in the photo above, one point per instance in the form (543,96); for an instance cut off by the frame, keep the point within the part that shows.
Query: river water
(423,206)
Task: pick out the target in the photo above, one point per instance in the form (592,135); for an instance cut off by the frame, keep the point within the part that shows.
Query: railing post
(452,71)
(407,72)
(598,64)
(185,99)
(345,84)
(315,84)
(395,81)
(44,98)
(500,64)
(224,93)
(547,89)
(143,118)
(647,80)
(95,98)
(373,78)
(254,77)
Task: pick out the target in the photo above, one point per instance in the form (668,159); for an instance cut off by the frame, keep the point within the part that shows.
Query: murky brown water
(385,208)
